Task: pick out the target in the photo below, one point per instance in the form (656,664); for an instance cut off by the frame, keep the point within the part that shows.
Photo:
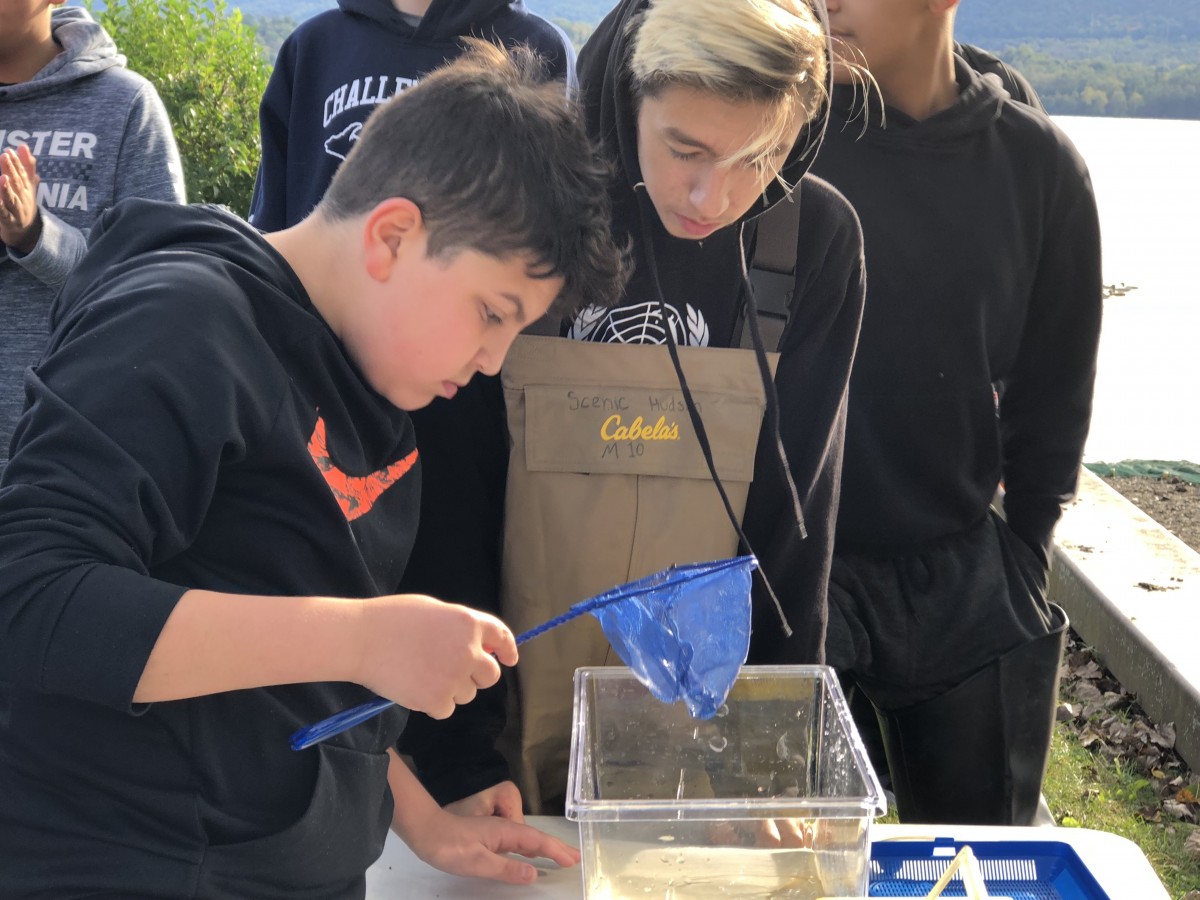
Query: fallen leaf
(1089,670)
(1087,692)
(1066,711)
(1120,734)
(1178,810)
(1091,709)
(1113,700)
(1191,849)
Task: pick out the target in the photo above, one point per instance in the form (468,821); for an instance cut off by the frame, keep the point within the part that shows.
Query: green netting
(1148,468)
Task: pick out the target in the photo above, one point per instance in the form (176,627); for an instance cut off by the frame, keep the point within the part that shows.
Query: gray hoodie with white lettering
(99,133)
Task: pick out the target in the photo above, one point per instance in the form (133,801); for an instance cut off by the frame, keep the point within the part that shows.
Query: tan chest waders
(606,483)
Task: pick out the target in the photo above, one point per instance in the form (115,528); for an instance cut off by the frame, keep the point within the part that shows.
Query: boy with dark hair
(336,67)
(213,493)
(78,133)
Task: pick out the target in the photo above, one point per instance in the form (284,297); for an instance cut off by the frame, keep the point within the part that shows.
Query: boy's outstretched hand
(470,845)
(478,846)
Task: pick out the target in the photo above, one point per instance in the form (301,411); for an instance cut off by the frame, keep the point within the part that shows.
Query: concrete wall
(1132,590)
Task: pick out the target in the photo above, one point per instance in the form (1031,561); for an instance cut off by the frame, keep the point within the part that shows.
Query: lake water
(1147,182)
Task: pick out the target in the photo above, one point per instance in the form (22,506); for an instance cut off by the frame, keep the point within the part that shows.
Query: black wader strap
(772,273)
(645,212)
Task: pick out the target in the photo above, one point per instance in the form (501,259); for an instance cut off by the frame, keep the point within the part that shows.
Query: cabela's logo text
(638,430)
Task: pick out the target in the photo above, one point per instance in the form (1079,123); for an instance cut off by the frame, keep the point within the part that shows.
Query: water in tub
(782,859)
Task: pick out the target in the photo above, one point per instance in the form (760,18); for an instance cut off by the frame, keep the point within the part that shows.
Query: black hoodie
(336,67)
(978,348)
(185,429)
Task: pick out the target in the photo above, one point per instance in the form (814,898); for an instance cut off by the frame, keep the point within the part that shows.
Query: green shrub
(211,73)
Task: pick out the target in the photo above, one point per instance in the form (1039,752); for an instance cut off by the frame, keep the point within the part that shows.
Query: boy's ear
(393,227)
(941,7)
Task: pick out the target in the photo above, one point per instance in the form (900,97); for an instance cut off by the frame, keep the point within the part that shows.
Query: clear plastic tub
(773,797)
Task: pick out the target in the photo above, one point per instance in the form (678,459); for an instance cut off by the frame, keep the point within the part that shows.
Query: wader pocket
(627,429)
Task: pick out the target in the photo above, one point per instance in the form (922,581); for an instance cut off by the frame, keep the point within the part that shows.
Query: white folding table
(1117,864)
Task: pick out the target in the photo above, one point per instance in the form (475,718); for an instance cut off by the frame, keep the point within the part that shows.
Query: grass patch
(1087,790)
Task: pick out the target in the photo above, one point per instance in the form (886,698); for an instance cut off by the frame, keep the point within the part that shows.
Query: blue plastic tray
(1022,870)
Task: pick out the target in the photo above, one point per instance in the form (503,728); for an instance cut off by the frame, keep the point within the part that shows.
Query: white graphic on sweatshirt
(341,143)
(641,323)
(63,162)
(369,91)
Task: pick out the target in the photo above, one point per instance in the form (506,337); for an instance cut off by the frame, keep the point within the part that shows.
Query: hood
(980,102)
(445,19)
(135,227)
(87,49)
(611,115)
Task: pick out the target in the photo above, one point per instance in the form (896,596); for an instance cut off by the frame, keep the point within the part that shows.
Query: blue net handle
(348,718)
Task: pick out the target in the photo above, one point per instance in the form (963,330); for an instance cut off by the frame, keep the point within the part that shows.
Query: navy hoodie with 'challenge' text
(336,67)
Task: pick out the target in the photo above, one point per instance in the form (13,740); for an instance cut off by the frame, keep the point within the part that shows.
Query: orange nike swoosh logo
(355,494)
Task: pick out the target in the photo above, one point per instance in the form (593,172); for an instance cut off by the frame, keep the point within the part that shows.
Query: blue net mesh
(684,632)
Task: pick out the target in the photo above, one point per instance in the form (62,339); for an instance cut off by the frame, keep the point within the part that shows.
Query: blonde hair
(766,51)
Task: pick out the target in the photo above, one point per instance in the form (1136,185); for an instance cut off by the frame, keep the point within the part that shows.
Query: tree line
(1106,87)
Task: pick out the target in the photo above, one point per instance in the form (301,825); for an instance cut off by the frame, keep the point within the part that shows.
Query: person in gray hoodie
(78,132)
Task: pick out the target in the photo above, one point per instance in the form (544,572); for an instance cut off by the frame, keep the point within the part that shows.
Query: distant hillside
(994,22)
(1084,57)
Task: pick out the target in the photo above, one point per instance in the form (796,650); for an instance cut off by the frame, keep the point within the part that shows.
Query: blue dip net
(684,631)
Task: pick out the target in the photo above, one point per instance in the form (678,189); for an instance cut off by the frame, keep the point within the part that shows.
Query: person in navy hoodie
(337,67)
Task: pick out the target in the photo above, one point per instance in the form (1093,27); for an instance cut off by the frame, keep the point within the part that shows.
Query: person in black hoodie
(214,489)
(339,65)
(711,111)
(975,368)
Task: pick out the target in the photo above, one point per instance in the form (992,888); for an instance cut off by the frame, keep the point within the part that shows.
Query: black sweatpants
(909,625)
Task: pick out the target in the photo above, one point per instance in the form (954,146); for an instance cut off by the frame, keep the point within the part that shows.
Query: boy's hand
(477,846)
(428,655)
(501,800)
(20,222)
(473,845)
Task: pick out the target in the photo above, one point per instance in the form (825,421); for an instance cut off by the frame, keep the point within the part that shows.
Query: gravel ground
(1172,502)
